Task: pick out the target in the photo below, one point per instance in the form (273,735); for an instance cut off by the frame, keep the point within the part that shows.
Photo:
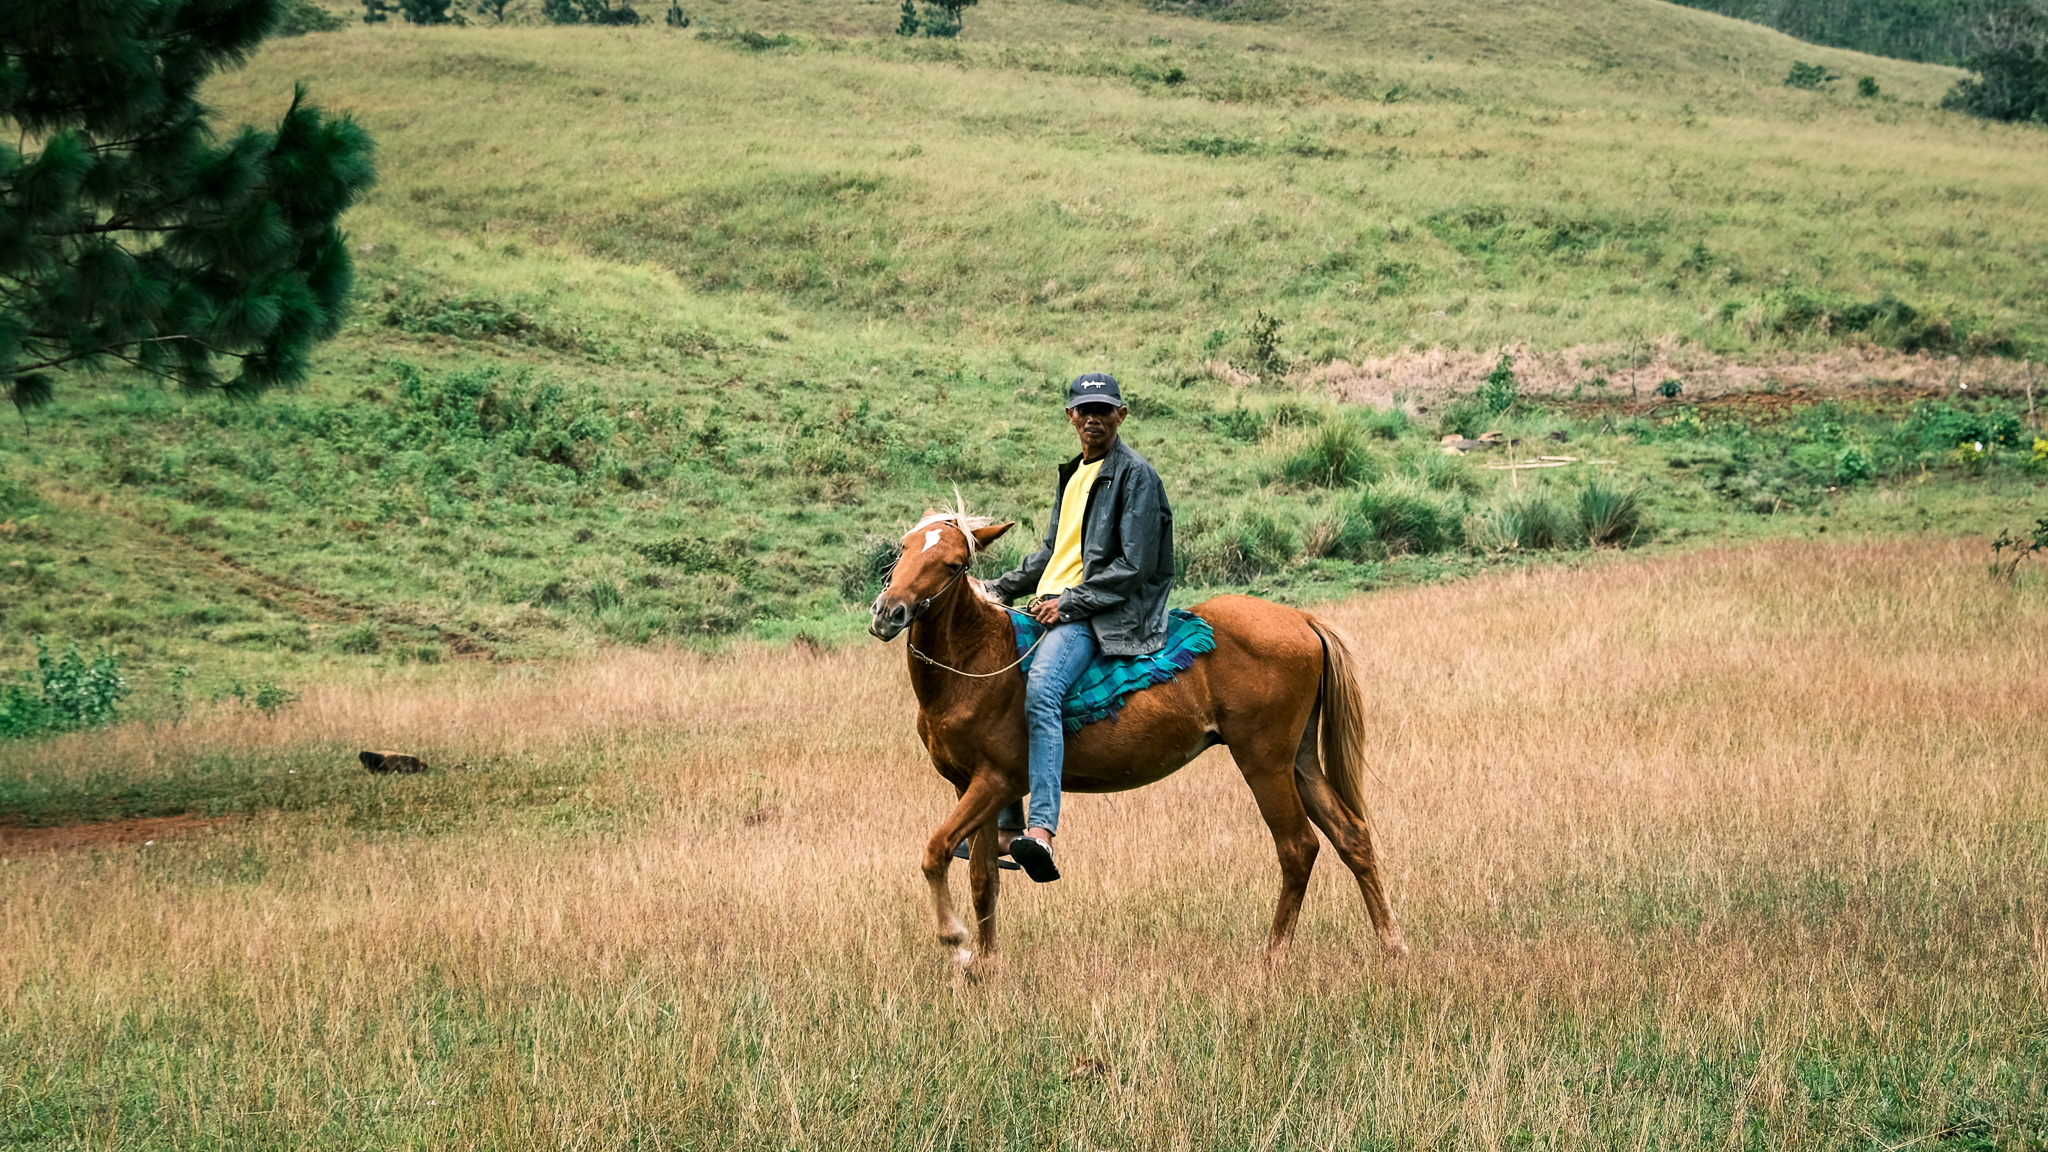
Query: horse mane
(959,517)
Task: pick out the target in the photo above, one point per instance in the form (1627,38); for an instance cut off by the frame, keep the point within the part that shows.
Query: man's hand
(1046,612)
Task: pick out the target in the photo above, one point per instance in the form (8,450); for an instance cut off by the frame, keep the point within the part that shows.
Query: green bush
(65,693)
(302,16)
(1609,514)
(1853,466)
(1500,391)
(1809,76)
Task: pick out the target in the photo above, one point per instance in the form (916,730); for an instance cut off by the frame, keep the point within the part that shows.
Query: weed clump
(1333,456)
(1250,543)
(1608,514)
(1397,517)
(1531,522)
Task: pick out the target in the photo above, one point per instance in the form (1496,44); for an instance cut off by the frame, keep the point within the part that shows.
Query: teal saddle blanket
(1101,690)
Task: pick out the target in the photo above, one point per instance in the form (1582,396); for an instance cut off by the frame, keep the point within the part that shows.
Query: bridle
(918,610)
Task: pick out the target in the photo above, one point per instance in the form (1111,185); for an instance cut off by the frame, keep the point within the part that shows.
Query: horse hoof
(963,959)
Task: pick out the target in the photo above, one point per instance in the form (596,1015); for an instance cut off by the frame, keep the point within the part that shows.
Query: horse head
(934,556)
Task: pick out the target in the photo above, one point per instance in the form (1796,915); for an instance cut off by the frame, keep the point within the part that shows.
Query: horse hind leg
(1265,768)
(984,881)
(1348,833)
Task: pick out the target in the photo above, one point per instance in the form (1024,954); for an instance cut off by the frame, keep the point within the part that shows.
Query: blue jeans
(1061,658)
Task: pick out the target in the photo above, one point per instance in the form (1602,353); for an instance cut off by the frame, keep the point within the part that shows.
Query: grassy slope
(793,297)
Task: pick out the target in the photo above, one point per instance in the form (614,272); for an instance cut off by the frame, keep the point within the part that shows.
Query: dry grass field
(1737,849)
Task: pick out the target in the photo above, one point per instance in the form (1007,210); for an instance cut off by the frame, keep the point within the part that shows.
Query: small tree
(2011,64)
(130,236)
(944,19)
(908,24)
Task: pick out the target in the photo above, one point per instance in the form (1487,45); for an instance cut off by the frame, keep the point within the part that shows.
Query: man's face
(1097,425)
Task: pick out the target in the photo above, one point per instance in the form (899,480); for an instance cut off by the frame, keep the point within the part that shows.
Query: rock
(391,762)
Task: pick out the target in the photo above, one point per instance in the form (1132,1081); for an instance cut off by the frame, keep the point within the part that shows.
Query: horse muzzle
(886,620)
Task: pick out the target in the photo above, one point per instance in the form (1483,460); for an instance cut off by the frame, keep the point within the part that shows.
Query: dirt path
(16,841)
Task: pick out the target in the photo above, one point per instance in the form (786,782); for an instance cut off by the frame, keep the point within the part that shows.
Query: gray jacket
(1126,556)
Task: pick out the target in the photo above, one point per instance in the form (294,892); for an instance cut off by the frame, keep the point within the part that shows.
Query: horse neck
(964,631)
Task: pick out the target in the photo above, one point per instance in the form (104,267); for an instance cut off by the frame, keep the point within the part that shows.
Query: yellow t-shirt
(1063,571)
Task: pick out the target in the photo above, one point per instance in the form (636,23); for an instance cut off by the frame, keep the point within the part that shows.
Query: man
(1098,585)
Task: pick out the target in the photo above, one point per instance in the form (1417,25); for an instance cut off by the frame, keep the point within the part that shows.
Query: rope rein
(981,675)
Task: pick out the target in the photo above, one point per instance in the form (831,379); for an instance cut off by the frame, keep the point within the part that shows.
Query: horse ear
(929,511)
(983,537)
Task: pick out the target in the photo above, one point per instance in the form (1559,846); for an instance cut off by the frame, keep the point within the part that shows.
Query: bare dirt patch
(1633,375)
(19,841)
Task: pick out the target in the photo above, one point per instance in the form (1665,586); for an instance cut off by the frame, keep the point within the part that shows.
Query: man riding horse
(1099,584)
(1275,685)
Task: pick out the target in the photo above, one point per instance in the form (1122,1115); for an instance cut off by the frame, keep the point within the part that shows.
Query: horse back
(1259,683)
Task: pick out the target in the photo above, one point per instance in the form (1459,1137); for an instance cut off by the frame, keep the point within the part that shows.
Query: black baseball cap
(1094,388)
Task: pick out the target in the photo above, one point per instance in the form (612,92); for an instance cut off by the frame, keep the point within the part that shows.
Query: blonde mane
(959,517)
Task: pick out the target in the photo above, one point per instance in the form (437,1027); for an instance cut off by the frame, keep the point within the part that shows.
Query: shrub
(1809,76)
(1501,390)
(1853,466)
(303,16)
(1866,87)
(600,12)
(66,693)
(1265,341)
(1970,457)
(265,697)
(1608,514)
(1333,456)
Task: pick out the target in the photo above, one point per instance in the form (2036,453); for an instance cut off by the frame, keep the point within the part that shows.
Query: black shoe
(1035,856)
(1006,865)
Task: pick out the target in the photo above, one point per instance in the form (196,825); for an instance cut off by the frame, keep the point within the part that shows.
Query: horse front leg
(976,812)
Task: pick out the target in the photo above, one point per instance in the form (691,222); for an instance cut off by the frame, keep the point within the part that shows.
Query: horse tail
(1343,735)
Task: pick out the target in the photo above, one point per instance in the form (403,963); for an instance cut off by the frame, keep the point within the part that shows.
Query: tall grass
(1736,848)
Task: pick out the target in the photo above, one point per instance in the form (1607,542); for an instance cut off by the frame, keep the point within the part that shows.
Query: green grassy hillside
(663,335)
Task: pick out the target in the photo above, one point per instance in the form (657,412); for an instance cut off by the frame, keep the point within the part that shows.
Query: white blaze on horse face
(930,538)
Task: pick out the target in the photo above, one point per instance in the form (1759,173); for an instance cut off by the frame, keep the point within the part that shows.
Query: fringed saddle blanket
(1100,692)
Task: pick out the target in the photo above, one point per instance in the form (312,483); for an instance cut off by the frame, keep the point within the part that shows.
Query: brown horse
(1277,680)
